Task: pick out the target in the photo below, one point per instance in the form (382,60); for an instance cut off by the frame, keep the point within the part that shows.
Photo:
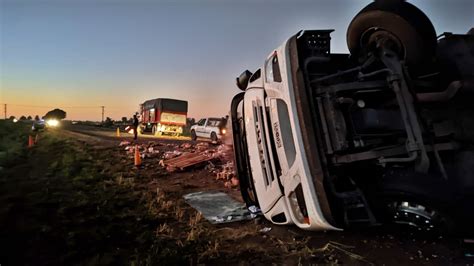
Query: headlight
(223,131)
(52,122)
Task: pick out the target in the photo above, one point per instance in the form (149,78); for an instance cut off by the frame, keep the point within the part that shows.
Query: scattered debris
(186,146)
(184,161)
(218,207)
(124,143)
(202,146)
(235,181)
(173,156)
(265,230)
(331,246)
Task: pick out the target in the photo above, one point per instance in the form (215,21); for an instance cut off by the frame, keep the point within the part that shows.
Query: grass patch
(13,141)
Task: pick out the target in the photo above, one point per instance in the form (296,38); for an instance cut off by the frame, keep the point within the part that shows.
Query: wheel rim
(417,216)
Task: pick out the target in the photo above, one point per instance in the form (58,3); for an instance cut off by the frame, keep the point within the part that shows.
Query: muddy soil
(77,198)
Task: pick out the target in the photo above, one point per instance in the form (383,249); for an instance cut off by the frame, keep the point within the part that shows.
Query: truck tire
(153,130)
(193,135)
(419,201)
(407,25)
(214,137)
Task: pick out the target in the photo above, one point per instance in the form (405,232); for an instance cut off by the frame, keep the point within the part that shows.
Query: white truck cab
(330,141)
(286,192)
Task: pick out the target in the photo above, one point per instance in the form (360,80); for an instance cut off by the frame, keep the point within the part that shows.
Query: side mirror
(243,80)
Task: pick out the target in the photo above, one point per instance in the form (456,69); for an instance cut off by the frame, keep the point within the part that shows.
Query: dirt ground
(76,198)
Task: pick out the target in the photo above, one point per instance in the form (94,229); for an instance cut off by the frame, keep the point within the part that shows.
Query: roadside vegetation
(65,201)
(58,206)
(13,139)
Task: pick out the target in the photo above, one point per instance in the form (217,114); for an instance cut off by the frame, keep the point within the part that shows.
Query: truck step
(356,210)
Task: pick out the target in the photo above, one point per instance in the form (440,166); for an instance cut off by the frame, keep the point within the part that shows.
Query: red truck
(163,116)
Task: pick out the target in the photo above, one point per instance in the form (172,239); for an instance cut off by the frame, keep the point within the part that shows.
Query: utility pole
(103,107)
(5,111)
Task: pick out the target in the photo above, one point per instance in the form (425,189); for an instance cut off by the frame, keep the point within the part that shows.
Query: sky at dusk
(79,55)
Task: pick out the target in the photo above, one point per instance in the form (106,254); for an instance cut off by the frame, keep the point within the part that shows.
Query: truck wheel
(408,28)
(214,137)
(417,201)
(153,130)
(193,135)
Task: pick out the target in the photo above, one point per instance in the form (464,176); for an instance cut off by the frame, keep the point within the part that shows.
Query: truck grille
(267,161)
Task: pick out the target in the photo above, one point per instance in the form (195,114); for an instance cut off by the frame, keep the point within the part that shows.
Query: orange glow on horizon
(82,108)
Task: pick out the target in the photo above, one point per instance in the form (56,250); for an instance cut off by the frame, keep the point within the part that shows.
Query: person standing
(135,127)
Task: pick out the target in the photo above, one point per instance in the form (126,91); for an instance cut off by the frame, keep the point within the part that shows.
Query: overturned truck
(381,135)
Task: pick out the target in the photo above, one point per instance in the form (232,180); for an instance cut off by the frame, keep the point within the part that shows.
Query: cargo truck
(381,135)
(163,116)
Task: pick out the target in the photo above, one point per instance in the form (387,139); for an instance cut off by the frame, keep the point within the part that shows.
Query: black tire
(419,202)
(410,26)
(214,137)
(193,135)
(153,130)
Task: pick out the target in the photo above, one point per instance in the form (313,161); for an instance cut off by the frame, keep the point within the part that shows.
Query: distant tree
(22,117)
(124,119)
(29,117)
(55,114)
(12,117)
(108,122)
(37,117)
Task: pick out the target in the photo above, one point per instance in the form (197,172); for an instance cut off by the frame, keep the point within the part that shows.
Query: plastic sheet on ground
(218,207)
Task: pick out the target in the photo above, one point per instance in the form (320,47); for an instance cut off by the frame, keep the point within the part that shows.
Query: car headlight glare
(52,122)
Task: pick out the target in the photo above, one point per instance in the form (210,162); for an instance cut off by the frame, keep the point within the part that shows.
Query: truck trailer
(163,116)
(381,135)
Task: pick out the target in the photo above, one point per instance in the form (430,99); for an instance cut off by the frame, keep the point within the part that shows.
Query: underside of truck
(392,123)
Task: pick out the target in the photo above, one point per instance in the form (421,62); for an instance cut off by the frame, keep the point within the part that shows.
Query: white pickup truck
(209,128)
(381,135)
